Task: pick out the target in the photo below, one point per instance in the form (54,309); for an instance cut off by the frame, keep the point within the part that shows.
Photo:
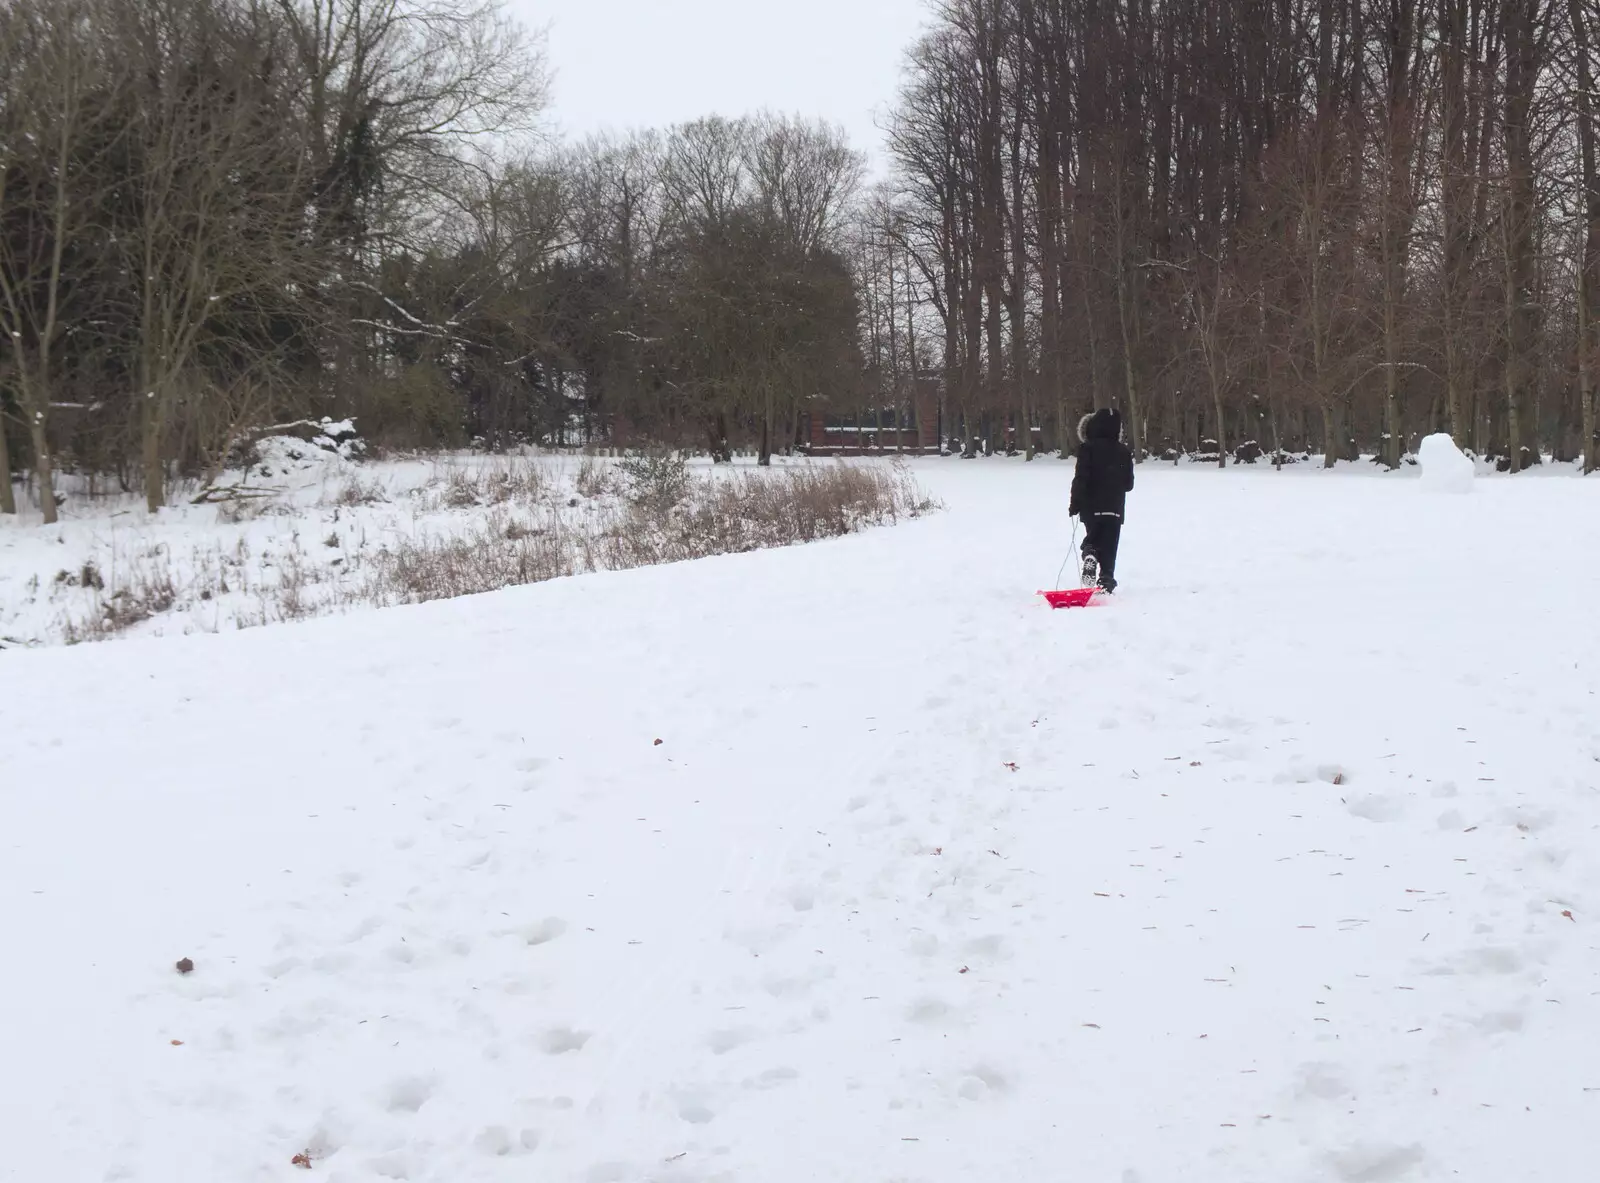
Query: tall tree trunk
(1521,313)
(1017,304)
(1589,267)
(897,401)
(764,458)
(1127,311)
(34,397)
(1399,209)
(721,449)
(8,494)
(1455,209)
(43,471)
(914,396)
(1222,426)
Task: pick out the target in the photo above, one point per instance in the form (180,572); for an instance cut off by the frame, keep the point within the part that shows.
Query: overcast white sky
(648,63)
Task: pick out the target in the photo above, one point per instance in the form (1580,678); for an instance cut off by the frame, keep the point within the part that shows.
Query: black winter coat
(1104,474)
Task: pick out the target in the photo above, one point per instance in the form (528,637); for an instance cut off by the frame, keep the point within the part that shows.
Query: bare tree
(216,195)
(58,101)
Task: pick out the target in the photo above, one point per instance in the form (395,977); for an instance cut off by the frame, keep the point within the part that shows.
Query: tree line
(1262,228)
(222,217)
(1259,227)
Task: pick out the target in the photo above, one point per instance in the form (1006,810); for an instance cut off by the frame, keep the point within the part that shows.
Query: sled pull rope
(1070,553)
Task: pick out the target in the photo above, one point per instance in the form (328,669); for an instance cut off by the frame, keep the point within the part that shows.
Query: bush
(657,478)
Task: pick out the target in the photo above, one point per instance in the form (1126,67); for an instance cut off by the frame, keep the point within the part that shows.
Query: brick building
(916,429)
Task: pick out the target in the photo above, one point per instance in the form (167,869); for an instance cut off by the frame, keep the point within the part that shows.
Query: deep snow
(1276,867)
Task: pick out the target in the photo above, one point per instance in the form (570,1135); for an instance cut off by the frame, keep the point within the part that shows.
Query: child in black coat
(1100,487)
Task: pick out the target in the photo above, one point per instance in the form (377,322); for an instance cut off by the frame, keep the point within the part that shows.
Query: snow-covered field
(848,861)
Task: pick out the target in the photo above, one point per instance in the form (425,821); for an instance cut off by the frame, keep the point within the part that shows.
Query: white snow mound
(1445,467)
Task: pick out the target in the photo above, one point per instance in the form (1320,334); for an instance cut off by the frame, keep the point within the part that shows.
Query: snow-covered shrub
(657,478)
(340,437)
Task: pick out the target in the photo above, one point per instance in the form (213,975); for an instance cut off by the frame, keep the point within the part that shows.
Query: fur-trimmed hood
(1104,424)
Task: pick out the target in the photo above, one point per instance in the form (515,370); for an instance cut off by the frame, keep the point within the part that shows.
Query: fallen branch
(218,494)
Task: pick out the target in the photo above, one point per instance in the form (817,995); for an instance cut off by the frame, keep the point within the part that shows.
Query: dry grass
(511,481)
(142,594)
(595,478)
(744,512)
(356,492)
(505,552)
(754,511)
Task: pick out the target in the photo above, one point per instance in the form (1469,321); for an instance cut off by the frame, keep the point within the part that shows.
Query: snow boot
(1091,570)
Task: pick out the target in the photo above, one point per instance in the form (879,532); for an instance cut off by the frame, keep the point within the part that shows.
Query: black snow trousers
(1102,533)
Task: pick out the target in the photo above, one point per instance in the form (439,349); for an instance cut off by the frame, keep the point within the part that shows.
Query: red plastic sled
(1077,597)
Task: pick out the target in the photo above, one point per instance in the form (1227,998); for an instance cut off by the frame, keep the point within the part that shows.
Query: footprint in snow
(1377,1164)
(1500,1022)
(409,1094)
(544,931)
(396,1164)
(1320,1082)
(989,947)
(982,1082)
(694,1110)
(770,1079)
(929,1011)
(558,1041)
(1374,807)
(497,1141)
(723,1042)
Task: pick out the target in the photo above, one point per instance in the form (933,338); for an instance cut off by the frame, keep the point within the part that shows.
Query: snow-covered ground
(843,862)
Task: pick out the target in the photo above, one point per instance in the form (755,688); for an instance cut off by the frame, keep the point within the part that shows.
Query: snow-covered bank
(306,533)
(1274,868)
